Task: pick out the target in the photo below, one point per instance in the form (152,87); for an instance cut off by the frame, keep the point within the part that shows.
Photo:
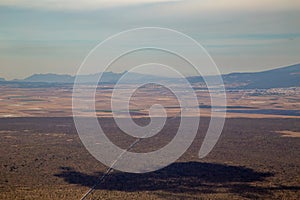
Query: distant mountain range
(276,78)
(281,77)
(49,78)
(106,77)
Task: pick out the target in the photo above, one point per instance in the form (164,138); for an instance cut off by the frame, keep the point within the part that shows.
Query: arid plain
(56,101)
(257,156)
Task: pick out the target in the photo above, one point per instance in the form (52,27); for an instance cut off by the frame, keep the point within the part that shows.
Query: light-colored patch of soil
(289,134)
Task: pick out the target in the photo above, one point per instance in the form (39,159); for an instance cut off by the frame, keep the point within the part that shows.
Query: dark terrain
(43,158)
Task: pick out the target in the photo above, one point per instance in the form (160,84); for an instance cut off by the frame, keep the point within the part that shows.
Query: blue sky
(54,36)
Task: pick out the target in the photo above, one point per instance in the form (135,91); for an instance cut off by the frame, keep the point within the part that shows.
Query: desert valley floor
(43,158)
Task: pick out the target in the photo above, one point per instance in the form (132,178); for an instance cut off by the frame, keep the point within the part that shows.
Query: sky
(54,36)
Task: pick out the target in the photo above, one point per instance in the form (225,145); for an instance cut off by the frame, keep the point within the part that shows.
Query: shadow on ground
(190,177)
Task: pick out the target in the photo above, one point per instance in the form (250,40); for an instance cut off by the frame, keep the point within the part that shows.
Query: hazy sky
(53,36)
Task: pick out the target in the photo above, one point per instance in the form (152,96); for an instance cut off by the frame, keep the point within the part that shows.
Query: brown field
(57,102)
(43,158)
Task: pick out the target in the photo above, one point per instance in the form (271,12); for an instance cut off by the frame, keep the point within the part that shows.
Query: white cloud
(186,6)
(206,6)
(75,4)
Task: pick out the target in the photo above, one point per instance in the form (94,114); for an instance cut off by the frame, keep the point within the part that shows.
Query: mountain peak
(50,77)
